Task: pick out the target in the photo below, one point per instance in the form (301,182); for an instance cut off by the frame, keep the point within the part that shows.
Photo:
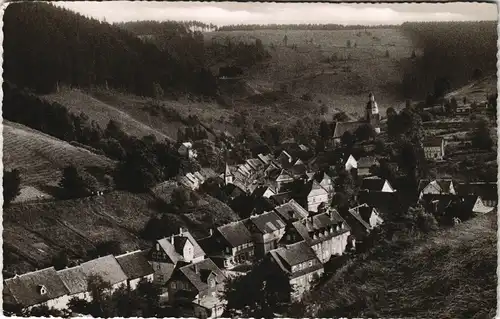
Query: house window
(310,263)
(158,267)
(173,285)
(157,246)
(160,277)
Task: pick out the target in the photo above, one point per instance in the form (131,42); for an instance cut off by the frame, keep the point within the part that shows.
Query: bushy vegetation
(328,26)
(11,186)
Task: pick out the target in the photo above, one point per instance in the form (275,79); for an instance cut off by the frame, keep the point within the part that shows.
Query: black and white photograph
(249,159)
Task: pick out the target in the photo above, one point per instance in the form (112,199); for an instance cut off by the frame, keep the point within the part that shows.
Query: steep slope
(40,157)
(134,121)
(451,274)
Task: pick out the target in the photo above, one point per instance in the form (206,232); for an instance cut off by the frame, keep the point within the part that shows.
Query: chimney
(181,230)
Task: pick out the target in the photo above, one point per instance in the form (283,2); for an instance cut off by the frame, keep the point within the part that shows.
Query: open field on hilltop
(35,232)
(343,82)
(133,118)
(40,157)
(477,91)
(451,274)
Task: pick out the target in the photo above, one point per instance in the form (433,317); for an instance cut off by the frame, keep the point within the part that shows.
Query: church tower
(372,115)
(228,176)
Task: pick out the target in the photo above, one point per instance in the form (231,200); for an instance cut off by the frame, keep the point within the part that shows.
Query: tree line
(453,54)
(47,46)
(142,161)
(301,26)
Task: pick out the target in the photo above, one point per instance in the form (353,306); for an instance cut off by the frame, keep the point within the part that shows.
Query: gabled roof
(313,187)
(197,273)
(291,210)
(266,159)
(135,264)
(255,163)
(26,289)
(282,197)
(487,190)
(172,251)
(267,222)
(362,214)
(442,186)
(342,127)
(187,144)
(373,183)
(105,267)
(74,279)
(295,254)
(474,204)
(235,233)
(260,191)
(367,162)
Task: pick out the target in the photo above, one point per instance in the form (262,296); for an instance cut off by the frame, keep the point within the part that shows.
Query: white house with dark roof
(313,195)
(108,269)
(266,230)
(167,252)
(291,211)
(76,282)
(434,148)
(41,287)
(198,284)
(438,186)
(299,262)
(350,162)
(136,267)
(230,245)
(362,220)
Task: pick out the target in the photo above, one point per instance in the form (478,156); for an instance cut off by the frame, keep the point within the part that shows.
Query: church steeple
(228,176)
(372,114)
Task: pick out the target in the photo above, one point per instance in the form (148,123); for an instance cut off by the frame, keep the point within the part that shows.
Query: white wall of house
(314,199)
(134,282)
(387,188)
(351,163)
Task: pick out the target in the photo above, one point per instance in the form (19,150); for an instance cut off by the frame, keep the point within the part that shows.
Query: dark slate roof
(265,158)
(487,191)
(440,185)
(383,201)
(367,161)
(172,253)
(267,222)
(135,264)
(236,233)
(282,197)
(259,191)
(342,127)
(295,254)
(360,213)
(106,267)
(25,289)
(433,141)
(197,273)
(291,210)
(373,184)
(74,279)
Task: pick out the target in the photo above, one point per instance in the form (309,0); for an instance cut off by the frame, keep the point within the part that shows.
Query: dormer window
(228,250)
(326,232)
(42,290)
(341,225)
(157,247)
(331,229)
(337,227)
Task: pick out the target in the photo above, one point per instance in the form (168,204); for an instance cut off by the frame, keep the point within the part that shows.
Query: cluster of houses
(296,234)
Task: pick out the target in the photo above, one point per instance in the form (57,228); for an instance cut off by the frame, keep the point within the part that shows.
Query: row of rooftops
(486,190)
(46,284)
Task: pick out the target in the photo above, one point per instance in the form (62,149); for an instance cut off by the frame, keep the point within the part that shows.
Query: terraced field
(40,157)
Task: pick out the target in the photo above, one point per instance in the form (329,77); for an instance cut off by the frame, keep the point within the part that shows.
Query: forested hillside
(453,54)
(46,46)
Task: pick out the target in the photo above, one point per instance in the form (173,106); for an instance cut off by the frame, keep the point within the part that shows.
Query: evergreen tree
(11,186)
(77,183)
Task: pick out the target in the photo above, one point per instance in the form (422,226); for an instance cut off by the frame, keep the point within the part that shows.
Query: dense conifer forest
(453,54)
(46,46)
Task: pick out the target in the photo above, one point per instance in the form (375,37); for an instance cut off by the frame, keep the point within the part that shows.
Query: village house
(366,165)
(108,269)
(312,195)
(325,181)
(76,281)
(41,287)
(285,159)
(291,211)
(299,262)
(230,245)
(266,230)
(263,191)
(386,203)
(362,219)
(438,186)
(186,150)
(136,267)
(168,252)
(282,198)
(488,191)
(279,179)
(434,148)
(350,163)
(447,207)
(376,184)
(197,286)
(326,233)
